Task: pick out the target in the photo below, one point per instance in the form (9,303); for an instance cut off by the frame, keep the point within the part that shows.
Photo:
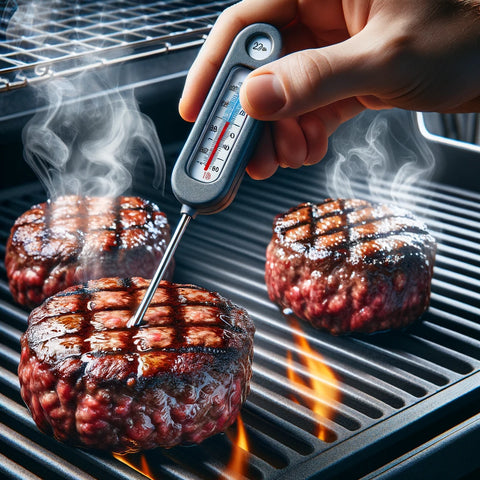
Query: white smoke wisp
(88,138)
(381,154)
(25,17)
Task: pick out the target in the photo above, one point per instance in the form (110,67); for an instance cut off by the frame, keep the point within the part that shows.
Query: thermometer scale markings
(215,148)
(231,112)
(225,119)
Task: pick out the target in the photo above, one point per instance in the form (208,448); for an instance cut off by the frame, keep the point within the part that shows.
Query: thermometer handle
(253,47)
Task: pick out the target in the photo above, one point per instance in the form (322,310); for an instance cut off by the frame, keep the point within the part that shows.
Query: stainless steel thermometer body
(208,172)
(210,167)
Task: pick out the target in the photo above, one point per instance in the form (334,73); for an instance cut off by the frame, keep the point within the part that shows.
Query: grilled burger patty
(73,239)
(178,378)
(350,265)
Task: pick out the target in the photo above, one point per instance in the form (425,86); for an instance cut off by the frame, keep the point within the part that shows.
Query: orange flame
(237,465)
(140,466)
(321,380)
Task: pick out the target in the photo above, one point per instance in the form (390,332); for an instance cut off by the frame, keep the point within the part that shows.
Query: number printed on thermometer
(224,127)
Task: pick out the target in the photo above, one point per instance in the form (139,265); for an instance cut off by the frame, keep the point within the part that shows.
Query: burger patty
(73,239)
(179,377)
(350,265)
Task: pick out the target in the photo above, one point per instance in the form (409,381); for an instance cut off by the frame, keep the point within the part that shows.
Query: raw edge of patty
(72,239)
(179,378)
(350,265)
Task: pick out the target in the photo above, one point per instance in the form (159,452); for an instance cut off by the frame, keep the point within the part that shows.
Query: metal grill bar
(66,39)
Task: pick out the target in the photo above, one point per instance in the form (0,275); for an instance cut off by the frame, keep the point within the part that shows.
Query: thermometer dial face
(221,131)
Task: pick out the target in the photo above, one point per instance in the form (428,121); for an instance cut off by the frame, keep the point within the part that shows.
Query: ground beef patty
(180,377)
(350,265)
(73,239)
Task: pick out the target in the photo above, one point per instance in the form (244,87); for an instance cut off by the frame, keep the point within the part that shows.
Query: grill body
(404,395)
(408,403)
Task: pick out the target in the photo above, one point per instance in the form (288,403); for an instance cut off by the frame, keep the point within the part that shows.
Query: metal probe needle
(187,215)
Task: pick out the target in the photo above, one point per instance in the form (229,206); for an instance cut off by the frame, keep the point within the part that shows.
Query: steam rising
(88,133)
(89,137)
(376,150)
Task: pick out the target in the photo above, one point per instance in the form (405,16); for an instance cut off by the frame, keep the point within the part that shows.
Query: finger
(230,22)
(316,127)
(290,143)
(263,163)
(307,80)
(316,137)
(301,141)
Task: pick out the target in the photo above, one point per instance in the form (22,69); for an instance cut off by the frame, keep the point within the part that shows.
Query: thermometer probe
(211,165)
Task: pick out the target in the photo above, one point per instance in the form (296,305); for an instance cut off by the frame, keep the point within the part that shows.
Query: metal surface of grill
(398,390)
(464,127)
(45,39)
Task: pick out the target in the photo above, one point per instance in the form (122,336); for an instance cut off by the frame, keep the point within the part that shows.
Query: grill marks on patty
(79,222)
(180,377)
(351,228)
(350,266)
(72,239)
(90,321)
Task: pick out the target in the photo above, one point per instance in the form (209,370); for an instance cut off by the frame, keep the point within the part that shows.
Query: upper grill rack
(45,39)
(388,382)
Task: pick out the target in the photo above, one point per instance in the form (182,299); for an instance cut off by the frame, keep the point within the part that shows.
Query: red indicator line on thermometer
(215,148)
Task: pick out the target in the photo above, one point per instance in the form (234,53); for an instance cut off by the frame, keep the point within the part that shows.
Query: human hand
(340,58)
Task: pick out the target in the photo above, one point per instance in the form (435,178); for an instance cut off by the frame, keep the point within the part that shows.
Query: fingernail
(265,94)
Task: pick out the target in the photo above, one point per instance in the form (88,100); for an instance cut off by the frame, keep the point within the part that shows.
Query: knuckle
(311,67)
(398,52)
(402,69)
(303,76)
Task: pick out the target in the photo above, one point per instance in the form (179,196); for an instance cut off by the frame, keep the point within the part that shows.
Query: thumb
(309,79)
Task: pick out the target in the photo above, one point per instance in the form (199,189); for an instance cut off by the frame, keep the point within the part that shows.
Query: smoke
(385,152)
(7,10)
(89,137)
(19,19)
(88,133)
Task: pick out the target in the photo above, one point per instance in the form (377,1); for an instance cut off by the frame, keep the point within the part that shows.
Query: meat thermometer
(210,167)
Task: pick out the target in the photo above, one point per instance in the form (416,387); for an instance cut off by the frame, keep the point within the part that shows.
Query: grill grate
(398,386)
(44,41)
